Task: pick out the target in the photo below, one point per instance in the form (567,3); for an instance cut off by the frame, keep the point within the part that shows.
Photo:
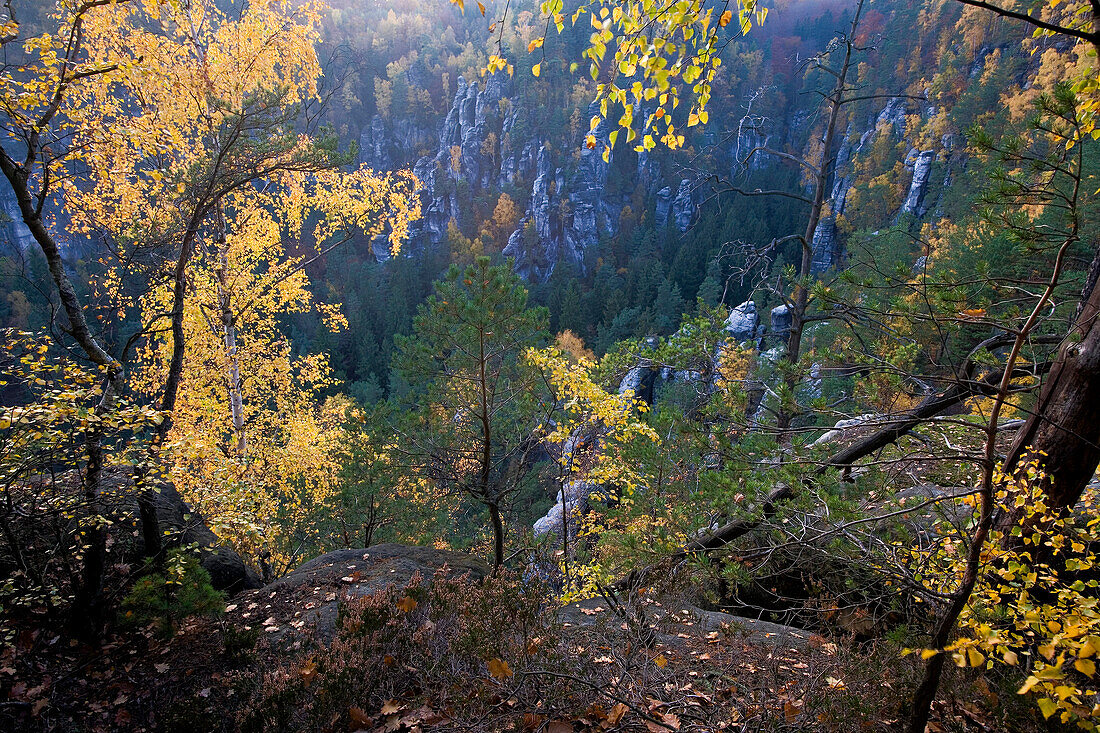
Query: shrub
(164,600)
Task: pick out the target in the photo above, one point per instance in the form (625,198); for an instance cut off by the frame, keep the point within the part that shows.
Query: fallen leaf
(499,668)
(406,604)
(532,722)
(359,717)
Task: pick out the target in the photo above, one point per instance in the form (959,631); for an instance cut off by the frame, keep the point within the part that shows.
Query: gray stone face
(683,206)
(894,115)
(373,145)
(18,233)
(632,381)
(535,259)
(567,218)
(743,322)
(664,205)
(649,173)
(918,188)
(827,247)
(572,503)
(780,323)
(743,157)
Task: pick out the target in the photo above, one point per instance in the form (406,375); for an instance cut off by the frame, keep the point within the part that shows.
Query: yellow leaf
(660,661)
(536,69)
(499,669)
(406,604)
(1026,687)
(1085,666)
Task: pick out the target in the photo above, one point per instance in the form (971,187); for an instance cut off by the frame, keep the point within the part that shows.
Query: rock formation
(922,172)
(743,322)
(683,206)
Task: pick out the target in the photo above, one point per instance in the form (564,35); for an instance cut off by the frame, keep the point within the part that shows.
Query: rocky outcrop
(893,115)
(828,250)
(179,525)
(921,164)
(780,324)
(570,505)
(467,150)
(331,578)
(747,153)
(18,235)
(564,220)
(374,147)
(664,206)
(683,206)
(639,381)
(743,323)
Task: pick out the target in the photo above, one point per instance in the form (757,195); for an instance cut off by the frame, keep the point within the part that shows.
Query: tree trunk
(229,336)
(87,612)
(87,616)
(1063,433)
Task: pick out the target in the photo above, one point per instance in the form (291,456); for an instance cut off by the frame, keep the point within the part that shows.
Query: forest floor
(582,670)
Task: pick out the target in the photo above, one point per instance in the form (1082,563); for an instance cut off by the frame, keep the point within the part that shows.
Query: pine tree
(474,401)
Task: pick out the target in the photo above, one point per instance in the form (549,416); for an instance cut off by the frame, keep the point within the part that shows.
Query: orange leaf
(481,8)
(725,19)
(406,604)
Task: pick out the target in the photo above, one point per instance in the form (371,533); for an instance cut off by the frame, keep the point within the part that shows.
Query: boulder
(181,526)
(743,322)
(322,583)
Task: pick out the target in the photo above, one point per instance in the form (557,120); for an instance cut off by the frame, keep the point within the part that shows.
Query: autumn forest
(523,365)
